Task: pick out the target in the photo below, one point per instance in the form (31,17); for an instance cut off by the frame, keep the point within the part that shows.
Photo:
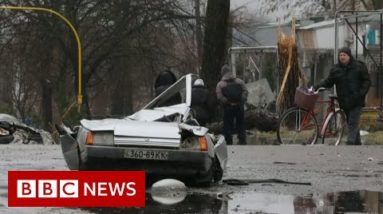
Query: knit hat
(345,50)
(225,69)
(199,82)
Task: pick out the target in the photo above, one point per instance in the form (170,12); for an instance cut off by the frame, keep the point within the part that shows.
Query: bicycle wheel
(333,128)
(297,126)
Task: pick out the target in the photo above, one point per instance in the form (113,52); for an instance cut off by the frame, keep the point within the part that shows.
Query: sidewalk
(255,137)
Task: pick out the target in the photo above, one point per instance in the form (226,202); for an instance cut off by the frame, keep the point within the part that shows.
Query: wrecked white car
(14,131)
(164,141)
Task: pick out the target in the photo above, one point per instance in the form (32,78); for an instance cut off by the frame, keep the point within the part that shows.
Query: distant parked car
(165,141)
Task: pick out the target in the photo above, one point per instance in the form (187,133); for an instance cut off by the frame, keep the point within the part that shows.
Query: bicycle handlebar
(311,89)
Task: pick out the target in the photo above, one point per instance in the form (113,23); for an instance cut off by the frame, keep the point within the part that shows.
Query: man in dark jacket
(352,84)
(232,94)
(199,102)
(163,81)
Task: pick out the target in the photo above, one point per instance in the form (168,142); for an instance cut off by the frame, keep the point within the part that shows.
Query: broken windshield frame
(183,86)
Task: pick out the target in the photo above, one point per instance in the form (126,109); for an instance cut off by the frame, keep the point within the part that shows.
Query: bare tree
(214,47)
(377,4)
(121,40)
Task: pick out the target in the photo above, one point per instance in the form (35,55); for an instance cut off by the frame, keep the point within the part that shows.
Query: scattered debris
(260,93)
(224,196)
(237,182)
(287,163)
(363,133)
(14,131)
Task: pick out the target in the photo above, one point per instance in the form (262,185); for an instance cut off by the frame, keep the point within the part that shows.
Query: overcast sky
(250,5)
(282,9)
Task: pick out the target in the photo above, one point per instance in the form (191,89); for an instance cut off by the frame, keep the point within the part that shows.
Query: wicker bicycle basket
(305,99)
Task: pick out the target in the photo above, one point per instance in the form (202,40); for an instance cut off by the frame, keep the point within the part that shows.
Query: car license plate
(145,154)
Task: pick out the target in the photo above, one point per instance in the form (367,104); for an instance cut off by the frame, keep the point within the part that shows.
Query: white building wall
(323,38)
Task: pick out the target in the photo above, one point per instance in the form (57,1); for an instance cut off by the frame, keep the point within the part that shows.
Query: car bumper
(175,162)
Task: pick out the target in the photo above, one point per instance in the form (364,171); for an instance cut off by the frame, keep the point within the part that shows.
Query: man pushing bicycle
(352,83)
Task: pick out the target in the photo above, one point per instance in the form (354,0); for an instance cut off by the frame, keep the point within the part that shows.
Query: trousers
(234,121)
(353,117)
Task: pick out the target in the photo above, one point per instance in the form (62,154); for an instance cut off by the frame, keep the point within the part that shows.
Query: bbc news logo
(76,188)
(47,189)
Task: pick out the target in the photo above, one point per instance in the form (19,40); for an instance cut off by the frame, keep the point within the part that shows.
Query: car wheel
(217,170)
(6,139)
(212,176)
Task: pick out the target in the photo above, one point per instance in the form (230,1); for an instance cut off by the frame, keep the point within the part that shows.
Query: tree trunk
(378,4)
(198,34)
(292,81)
(46,104)
(214,47)
(86,103)
(289,72)
(122,100)
(122,96)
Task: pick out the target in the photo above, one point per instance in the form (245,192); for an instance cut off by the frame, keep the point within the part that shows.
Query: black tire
(334,128)
(213,175)
(6,139)
(290,130)
(218,172)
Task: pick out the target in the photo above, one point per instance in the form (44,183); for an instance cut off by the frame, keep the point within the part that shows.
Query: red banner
(76,188)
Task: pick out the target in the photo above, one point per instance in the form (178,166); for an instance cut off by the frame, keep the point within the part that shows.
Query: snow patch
(168,191)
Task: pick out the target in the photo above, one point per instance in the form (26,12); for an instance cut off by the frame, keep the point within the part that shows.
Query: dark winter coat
(165,78)
(163,81)
(352,83)
(220,89)
(199,104)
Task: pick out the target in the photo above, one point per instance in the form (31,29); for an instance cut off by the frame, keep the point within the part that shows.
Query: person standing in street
(352,83)
(199,102)
(232,94)
(163,81)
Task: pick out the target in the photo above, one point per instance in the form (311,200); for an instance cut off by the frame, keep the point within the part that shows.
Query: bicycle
(299,124)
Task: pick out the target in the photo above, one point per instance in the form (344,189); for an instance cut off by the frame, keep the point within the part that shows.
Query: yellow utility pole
(62,17)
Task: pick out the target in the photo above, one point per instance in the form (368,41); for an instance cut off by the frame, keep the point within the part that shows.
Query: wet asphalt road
(326,168)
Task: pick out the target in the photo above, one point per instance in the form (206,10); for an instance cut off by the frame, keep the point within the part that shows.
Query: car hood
(127,127)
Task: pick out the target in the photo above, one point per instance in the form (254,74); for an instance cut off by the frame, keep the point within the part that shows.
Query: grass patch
(373,138)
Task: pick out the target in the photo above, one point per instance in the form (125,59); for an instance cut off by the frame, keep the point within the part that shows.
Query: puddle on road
(254,202)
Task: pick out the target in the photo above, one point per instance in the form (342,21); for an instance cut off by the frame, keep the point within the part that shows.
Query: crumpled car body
(14,131)
(164,141)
